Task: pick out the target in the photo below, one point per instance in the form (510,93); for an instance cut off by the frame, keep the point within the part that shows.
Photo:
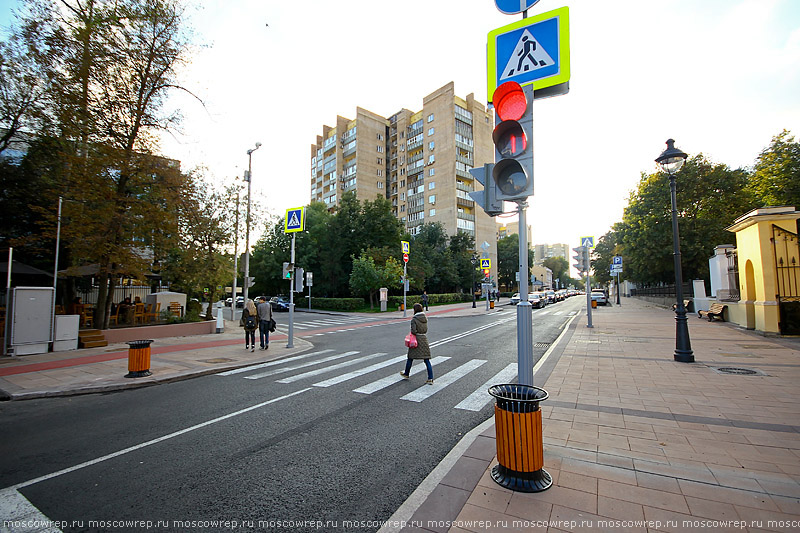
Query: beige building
(543,251)
(419,160)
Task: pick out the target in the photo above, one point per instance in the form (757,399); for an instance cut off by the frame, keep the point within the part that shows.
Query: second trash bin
(138,359)
(518,427)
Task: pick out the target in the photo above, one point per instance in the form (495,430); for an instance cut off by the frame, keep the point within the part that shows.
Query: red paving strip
(112,356)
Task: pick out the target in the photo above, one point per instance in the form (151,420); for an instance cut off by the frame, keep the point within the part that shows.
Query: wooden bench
(715,311)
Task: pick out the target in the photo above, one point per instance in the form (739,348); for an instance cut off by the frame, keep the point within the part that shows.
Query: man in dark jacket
(264,318)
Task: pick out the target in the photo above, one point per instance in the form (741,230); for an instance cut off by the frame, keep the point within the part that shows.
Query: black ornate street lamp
(671,160)
(474,261)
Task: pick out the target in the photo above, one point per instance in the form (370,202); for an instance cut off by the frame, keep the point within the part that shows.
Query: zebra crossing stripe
(272,363)
(360,372)
(375,386)
(478,399)
(302,365)
(319,371)
(426,391)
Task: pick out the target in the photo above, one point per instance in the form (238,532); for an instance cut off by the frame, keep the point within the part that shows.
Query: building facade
(418,160)
(543,251)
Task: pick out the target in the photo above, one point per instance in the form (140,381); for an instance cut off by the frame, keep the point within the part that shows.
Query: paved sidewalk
(637,442)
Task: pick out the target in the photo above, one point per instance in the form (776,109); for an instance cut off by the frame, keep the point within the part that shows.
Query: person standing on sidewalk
(250,321)
(425,299)
(419,327)
(264,318)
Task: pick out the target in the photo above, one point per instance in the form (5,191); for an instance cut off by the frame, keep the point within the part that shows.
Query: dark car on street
(279,303)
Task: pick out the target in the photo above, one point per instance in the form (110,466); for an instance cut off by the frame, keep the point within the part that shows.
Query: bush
(331,304)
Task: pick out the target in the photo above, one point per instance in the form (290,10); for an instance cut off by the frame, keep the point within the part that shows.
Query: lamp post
(247,227)
(671,160)
(474,261)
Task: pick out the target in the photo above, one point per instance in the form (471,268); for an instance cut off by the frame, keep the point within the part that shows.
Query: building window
(431,145)
(430,132)
(432,212)
(380,184)
(380,137)
(431,159)
(432,199)
(380,172)
(402,183)
(403,196)
(380,160)
(430,117)
(431,185)
(380,149)
(432,172)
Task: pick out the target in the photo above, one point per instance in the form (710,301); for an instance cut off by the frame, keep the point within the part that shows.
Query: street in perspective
(206,326)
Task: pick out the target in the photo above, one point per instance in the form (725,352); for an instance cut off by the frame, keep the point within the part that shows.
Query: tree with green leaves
(776,175)
(560,269)
(508,260)
(369,276)
(709,197)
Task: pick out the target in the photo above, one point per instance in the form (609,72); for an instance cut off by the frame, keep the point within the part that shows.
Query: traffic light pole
(290,343)
(524,309)
(588,289)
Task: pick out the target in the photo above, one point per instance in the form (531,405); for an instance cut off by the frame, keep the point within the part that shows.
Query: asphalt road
(299,444)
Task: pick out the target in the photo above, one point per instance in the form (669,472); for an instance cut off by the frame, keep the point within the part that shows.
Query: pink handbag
(411,340)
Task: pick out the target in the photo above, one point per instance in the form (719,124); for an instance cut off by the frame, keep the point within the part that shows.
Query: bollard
(594,304)
(491,304)
(138,359)
(220,321)
(518,428)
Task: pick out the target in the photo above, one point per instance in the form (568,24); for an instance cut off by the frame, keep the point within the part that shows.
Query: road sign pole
(618,288)
(290,343)
(405,282)
(588,290)
(524,309)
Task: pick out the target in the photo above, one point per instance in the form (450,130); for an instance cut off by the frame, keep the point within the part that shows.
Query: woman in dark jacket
(419,327)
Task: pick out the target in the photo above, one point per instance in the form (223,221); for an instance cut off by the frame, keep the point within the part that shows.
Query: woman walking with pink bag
(422,350)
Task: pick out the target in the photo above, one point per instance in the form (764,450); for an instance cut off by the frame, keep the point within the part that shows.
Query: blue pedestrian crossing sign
(486,263)
(512,7)
(532,51)
(587,242)
(295,220)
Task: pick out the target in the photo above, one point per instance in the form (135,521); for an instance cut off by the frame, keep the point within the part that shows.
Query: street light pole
(671,160)
(474,261)
(247,226)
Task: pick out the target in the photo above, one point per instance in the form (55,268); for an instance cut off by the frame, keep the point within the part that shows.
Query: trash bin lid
(518,393)
(140,343)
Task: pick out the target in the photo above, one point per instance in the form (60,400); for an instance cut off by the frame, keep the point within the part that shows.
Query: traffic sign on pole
(512,7)
(405,258)
(404,245)
(486,263)
(295,220)
(532,51)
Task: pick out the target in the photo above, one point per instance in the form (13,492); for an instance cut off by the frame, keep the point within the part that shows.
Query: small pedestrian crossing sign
(295,220)
(587,242)
(486,263)
(532,51)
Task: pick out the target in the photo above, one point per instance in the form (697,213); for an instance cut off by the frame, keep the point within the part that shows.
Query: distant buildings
(418,160)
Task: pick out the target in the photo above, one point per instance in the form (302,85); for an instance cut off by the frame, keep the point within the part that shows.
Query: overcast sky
(721,77)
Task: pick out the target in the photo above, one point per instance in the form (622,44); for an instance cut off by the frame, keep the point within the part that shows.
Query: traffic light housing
(288,270)
(487,198)
(513,141)
(582,264)
(298,281)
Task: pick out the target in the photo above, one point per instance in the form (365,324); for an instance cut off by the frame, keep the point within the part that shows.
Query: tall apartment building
(419,160)
(543,251)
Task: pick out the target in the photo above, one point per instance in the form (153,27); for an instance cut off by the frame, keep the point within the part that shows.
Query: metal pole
(524,309)
(55,274)
(247,231)
(6,335)
(588,289)
(235,259)
(683,346)
(290,343)
(618,288)
(472,260)
(405,282)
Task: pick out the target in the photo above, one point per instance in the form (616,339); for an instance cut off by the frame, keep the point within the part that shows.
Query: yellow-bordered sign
(486,263)
(532,51)
(295,220)
(404,245)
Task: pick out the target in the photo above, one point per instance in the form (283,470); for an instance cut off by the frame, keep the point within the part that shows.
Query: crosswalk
(344,323)
(328,368)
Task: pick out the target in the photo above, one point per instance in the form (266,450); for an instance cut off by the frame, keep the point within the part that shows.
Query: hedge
(331,304)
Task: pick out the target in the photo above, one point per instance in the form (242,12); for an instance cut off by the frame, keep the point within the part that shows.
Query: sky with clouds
(721,77)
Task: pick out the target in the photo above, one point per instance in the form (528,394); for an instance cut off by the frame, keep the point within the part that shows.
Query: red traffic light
(509,101)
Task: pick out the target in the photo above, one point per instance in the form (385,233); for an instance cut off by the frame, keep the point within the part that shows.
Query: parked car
(240,302)
(279,303)
(538,299)
(228,302)
(515,299)
(599,296)
(551,297)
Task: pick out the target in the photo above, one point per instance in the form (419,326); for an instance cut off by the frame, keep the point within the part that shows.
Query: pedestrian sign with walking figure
(532,51)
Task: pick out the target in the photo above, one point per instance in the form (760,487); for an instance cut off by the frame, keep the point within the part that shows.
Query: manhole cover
(738,371)
(217,360)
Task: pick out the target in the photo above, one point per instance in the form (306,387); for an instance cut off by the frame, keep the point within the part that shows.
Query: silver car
(599,296)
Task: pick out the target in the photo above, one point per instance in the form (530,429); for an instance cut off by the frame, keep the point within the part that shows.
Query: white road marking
(298,377)
(426,391)
(360,372)
(478,399)
(395,378)
(302,365)
(272,363)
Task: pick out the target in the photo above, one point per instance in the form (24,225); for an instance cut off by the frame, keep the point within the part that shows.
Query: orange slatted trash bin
(518,427)
(138,359)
